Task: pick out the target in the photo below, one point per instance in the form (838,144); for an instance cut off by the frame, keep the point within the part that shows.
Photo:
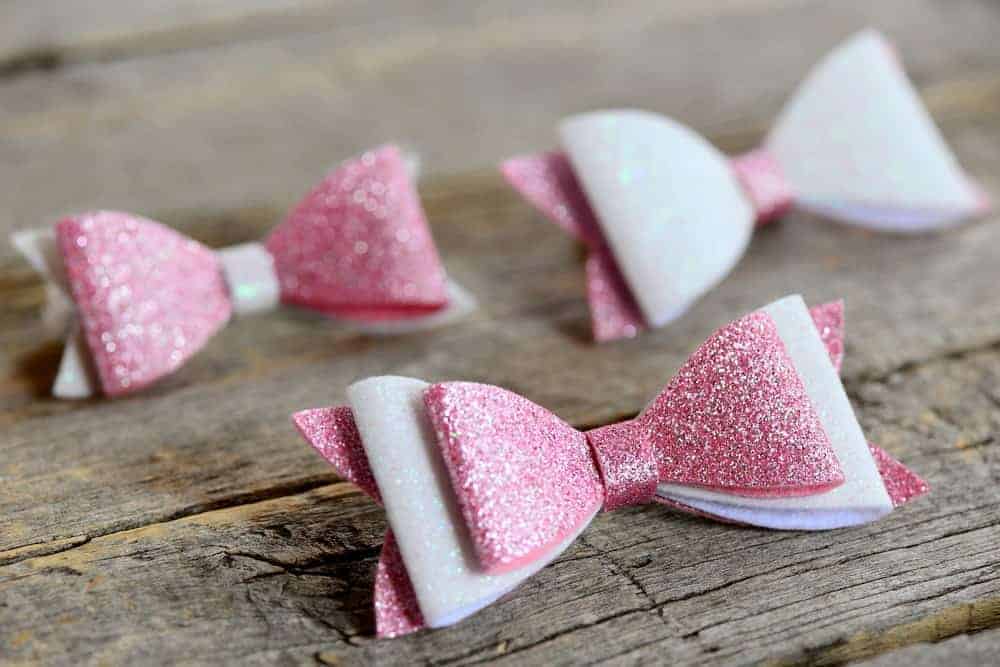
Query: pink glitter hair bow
(665,216)
(145,298)
(482,488)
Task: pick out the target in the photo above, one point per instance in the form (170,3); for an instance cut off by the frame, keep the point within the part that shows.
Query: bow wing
(862,497)
(408,465)
(857,144)
(358,246)
(668,203)
(147,297)
(525,480)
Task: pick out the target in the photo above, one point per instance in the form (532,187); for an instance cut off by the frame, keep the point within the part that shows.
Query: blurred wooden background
(191,524)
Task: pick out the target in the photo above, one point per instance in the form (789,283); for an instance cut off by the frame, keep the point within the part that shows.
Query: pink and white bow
(666,216)
(482,488)
(146,298)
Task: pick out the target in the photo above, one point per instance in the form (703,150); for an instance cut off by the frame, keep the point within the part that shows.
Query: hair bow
(357,247)
(665,216)
(482,487)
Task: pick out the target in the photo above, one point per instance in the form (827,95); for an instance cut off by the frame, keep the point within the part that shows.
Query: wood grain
(190,525)
(256,123)
(289,578)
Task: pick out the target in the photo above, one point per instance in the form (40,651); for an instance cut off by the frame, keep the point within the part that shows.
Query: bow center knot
(627,464)
(765,184)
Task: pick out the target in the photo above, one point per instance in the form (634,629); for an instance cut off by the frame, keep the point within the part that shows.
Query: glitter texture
(737,418)
(396,609)
(764,183)
(358,246)
(829,320)
(524,479)
(148,298)
(333,433)
(902,484)
(627,463)
(547,182)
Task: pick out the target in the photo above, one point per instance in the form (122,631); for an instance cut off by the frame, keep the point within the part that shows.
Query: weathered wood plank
(288,579)
(169,454)
(256,123)
(191,524)
(45,34)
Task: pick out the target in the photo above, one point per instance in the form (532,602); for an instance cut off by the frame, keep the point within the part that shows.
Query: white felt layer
(460,304)
(668,203)
(855,142)
(76,378)
(249,272)
(860,499)
(421,509)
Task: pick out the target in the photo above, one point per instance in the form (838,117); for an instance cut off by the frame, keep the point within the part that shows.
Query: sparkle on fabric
(334,434)
(901,483)
(627,464)
(829,321)
(396,609)
(148,298)
(359,246)
(737,418)
(524,479)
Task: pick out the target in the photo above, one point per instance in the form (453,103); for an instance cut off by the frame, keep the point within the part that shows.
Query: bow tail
(396,610)
(547,182)
(614,313)
(76,377)
(334,434)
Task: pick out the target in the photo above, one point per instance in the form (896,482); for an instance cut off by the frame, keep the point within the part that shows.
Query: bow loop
(524,478)
(359,245)
(857,144)
(148,298)
(737,418)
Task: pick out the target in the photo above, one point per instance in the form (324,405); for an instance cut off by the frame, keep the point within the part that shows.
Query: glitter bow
(665,216)
(482,487)
(147,298)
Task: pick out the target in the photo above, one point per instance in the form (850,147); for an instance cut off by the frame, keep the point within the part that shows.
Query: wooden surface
(191,525)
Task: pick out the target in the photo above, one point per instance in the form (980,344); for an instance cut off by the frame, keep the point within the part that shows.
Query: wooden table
(190,524)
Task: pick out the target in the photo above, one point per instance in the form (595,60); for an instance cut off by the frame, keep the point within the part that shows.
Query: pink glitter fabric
(829,321)
(396,609)
(333,433)
(358,245)
(547,181)
(524,479)
(627,463)
(614,314)
(148,298)
(737,418)
(764,183)
(902,484)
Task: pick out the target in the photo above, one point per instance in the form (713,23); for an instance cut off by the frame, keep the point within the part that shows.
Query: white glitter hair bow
(482,488)
(666,216)
(138,299)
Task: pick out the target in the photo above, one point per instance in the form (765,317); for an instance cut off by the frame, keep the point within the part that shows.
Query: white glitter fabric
(860,499)
(668,202)
(420,506)
(856,143)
